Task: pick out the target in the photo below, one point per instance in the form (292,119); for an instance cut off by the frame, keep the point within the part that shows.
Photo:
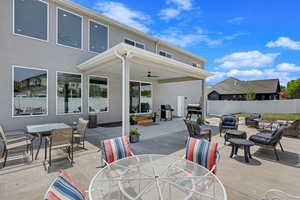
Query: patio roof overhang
(137,62)
(146,58)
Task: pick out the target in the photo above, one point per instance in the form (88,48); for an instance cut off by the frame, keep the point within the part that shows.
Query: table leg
(246,154)
(39,147)
(248,148)
(236,149)
(232,150)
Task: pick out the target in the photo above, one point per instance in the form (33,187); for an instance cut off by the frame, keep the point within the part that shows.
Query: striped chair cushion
(65,188)
(202,152)
(116,148)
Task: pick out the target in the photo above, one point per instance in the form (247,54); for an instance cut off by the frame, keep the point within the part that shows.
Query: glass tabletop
(46,127)
(151,177)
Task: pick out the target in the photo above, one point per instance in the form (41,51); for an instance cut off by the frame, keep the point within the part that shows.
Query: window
(98,37)
(195,65)
(69,29)
(68,99)
(30,91)
(98,94)
(140,97)
(134,43)
(31,18)
(165,54)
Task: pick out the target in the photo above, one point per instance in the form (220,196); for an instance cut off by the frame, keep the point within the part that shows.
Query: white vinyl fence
(270,106)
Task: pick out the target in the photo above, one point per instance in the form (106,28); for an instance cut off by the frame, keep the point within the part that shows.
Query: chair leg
(281,146)
(5,158)
(50,162)
(276,155)
(83,143)
(31,151)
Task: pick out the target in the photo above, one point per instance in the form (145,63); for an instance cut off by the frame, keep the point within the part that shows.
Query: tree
(250,94)
(292,88)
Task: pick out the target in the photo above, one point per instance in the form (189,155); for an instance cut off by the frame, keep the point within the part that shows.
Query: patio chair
(293,129)
(269,140)
(17,142)
(79,132)
(60,139)
(115,149)
(64,187)
(196,131)
(228,122)
(203,152)
(252,120)
(278,194)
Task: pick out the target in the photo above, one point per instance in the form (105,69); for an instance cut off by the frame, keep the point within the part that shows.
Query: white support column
(203,99)
(125,96)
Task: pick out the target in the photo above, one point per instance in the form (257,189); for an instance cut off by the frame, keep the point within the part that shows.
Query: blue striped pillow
(64,188)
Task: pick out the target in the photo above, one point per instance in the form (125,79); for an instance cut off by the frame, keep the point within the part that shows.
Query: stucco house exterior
(76,62)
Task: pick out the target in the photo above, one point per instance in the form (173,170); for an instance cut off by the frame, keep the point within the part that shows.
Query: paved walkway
(242,181)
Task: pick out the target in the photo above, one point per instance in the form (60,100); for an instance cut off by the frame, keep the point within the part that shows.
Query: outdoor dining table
(151,177)
(42,130)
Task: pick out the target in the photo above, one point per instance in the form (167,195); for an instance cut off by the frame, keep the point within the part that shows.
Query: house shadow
(285,158)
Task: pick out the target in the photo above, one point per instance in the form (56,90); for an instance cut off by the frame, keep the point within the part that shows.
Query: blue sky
(248,39)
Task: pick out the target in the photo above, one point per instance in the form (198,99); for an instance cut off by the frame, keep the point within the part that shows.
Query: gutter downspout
(125,92)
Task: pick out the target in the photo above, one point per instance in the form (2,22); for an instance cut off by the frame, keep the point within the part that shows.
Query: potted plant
(134,136)
(132,119)
(153,116)
(201,121)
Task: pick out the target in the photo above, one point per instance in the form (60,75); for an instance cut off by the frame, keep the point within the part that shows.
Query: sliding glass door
(140,97)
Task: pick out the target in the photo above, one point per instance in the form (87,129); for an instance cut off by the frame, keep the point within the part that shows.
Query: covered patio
(126,63)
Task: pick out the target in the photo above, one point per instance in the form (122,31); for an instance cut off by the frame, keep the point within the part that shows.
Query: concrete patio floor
(29,180)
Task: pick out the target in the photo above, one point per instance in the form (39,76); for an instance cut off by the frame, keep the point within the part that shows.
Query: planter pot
(134,138)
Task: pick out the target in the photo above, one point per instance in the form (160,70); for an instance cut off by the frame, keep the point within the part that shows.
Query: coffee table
(231,133)
(241,143)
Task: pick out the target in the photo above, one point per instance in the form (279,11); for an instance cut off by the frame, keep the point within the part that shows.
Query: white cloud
(250,59)
(288,67)
(253,74)
(236,20)
(177,6)
(169,13)
(182,4)
(180,39)
(121,13)
(284,42)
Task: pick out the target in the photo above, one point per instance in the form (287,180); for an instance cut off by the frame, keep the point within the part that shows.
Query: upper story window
(31,18)
(30,91)
(98,37)
(166,54)
(195,64)
(134,43)
(69,29)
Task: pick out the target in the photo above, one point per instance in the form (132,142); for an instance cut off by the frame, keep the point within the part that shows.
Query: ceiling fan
(149,75)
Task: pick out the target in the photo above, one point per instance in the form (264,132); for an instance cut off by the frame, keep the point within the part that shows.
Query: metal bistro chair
(60,139)
(13,143)
(79,133)
(196,131)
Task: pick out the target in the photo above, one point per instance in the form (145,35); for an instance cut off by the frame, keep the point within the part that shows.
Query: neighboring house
(235,89)
(90,64)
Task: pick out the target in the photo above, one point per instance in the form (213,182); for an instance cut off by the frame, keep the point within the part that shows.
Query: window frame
(108,93)
(89,37)
(13,93)
(140,113)
(29,37)
(134,41)
(56,26)
(81,92)
(166,52)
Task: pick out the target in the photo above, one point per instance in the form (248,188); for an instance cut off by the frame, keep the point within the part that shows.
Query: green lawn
(273,116)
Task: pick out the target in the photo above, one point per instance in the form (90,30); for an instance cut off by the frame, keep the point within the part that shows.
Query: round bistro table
(155,177)
(237,143)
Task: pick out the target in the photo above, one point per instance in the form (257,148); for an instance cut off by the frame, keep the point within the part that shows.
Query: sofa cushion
(260,140)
